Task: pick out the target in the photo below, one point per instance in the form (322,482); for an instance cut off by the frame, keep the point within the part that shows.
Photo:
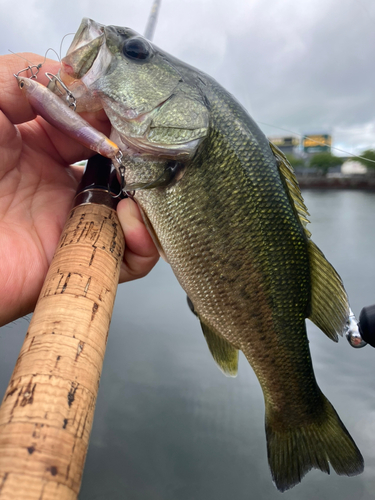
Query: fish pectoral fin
(225,355)
(294,449)
(173,172)
(329,302)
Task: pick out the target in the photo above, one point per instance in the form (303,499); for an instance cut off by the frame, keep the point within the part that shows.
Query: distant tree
(369,154)
(324,161)
(295,161)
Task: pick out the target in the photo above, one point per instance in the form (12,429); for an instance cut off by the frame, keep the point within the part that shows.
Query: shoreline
(359,182)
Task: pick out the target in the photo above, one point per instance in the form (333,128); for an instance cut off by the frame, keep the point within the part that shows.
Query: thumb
(140,252)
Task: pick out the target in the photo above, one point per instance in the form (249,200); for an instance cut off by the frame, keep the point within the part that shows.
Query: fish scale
(232,225)
(216,255)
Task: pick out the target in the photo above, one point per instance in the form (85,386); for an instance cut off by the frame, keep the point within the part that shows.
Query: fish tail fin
(293,451)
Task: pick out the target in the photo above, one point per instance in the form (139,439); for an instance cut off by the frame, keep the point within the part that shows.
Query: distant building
(286,144)
(317,143)
(350,167)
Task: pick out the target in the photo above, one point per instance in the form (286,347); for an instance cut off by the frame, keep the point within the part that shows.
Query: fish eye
(21,84)
(136,49)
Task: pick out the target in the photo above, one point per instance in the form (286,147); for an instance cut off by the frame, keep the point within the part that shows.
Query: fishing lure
(50,107)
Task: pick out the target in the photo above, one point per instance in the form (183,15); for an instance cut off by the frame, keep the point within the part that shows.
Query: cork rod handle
(47,412)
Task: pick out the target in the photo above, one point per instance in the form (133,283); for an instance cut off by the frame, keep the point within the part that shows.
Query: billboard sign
(317,143)
(285,142)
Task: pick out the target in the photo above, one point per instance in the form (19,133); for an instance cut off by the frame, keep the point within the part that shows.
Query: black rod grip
(367,324)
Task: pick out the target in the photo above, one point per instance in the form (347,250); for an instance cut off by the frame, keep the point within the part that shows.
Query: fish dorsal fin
(225,355)
(292,187)
(329,301)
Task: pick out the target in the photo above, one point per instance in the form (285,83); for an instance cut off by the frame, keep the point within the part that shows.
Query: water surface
(170,426)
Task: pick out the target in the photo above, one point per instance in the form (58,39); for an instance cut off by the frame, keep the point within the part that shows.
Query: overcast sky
(300,65)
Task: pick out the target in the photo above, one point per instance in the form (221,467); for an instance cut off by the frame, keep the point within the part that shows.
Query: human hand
(37,186)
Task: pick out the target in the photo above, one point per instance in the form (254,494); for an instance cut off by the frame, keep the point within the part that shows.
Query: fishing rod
(366,327)
(47,412)
(152,20)
(48,408)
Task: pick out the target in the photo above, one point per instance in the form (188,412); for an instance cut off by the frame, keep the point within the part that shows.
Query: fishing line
(317,142)
(62,41)
(45,55)
(53,50)
(32,64)
(21,57)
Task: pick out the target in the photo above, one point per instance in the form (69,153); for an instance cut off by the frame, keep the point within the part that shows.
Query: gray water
(170,426)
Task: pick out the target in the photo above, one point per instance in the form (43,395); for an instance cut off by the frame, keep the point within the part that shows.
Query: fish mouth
(86,59)
(79,62)
(83,50)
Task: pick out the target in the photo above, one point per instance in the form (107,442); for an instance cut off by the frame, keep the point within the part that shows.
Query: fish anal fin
(329,301)
(294,450)
(225,355)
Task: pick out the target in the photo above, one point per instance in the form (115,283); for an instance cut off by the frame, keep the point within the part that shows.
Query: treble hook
(72,101)
(121,169)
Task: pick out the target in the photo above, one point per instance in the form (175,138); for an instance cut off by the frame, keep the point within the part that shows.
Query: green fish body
(231,223)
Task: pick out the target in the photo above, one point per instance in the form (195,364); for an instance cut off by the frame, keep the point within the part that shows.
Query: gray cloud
(303,66)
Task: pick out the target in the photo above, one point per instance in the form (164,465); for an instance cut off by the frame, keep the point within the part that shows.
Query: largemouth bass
(225,210)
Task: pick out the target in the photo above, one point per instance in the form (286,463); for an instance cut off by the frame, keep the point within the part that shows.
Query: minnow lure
(50,107)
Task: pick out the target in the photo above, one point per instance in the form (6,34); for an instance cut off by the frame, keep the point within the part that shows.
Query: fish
(225,210)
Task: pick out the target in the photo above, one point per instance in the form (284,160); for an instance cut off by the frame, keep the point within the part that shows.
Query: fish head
(154,106)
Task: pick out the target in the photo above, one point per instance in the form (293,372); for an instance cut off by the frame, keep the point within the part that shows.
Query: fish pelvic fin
(225,355)
(329,302)
(293,451)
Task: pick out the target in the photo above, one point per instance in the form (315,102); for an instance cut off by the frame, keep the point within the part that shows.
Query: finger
(17,109)
(69,149)
(77,171)
(15,105)
(12,103)
(10,141)
(140,252)
(65,148)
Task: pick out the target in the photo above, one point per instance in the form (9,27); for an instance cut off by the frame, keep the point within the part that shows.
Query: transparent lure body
(50,107)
